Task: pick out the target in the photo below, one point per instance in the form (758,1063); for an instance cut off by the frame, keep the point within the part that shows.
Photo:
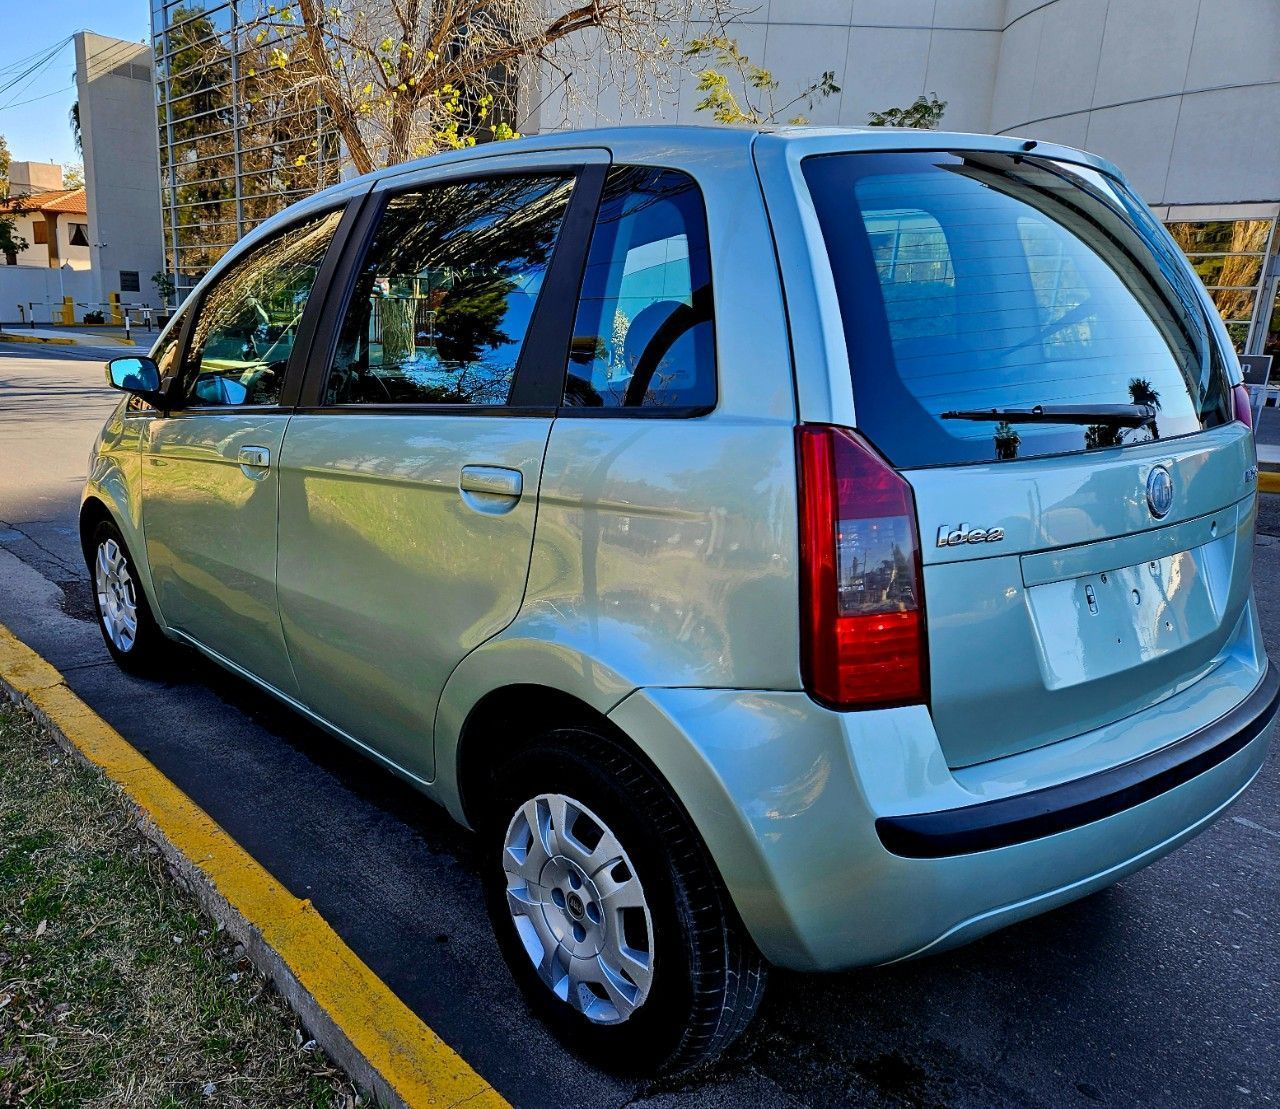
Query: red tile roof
(53,200)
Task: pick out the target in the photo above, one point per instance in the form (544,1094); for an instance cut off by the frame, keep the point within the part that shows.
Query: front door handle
(491,489)
(254,462)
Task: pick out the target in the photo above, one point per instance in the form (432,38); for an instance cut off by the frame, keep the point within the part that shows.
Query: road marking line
(349,1009)
(1269,482)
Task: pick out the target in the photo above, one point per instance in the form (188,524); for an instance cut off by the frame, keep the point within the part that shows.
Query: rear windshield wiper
(1113,415)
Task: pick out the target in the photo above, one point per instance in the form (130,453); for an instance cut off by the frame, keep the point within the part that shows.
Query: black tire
(143,655)
(708,978)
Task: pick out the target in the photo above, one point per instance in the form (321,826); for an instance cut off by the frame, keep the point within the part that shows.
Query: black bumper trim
(1042,812)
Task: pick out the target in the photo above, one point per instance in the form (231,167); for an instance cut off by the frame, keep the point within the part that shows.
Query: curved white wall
(1184,95)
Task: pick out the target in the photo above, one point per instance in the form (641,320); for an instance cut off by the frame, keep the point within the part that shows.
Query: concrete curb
(349,1011)
(10,337)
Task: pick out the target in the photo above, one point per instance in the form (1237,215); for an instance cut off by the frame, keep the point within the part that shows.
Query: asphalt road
(1164,989)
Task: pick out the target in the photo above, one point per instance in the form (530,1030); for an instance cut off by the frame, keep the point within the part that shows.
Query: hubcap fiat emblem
(1159,492)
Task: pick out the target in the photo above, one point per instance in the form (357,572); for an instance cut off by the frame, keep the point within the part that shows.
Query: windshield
(978,281)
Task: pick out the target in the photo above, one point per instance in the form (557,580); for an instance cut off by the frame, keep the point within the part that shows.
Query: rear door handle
(491,489)
(254,461)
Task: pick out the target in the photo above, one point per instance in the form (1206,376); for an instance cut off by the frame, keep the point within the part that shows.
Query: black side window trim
(298,359)
(537,382)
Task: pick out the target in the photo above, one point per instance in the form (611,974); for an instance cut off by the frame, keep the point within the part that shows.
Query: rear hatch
(1031,352)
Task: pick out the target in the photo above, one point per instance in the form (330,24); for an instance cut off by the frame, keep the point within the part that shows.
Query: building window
(39,233)
(79,234)
(1229,256)
(129,282)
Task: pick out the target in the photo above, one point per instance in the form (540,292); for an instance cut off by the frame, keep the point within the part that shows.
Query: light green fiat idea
(808,547)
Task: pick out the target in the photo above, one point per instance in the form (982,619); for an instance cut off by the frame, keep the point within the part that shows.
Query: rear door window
(975,287)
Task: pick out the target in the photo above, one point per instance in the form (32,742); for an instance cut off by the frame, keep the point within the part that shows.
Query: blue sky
(33,110)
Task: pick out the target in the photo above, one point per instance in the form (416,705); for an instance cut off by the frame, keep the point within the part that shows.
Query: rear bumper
(1043,812)
(846,840)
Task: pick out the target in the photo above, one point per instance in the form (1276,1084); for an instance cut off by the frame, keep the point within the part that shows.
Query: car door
(409,481)
(209,477)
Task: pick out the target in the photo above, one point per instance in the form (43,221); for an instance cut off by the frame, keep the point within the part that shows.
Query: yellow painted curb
(1268,482)
(405,1061)
(9,337)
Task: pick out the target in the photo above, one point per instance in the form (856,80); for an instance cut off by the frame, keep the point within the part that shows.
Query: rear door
(209,464)
(409,476)
(1028,347)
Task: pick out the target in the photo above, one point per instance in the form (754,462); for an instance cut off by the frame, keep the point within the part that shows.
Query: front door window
(249,319)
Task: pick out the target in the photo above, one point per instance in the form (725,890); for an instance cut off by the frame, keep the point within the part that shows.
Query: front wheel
(124,617)
(609,911)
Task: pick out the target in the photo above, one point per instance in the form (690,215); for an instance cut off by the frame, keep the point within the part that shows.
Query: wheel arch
(93,511)
(101,502)
(507,720)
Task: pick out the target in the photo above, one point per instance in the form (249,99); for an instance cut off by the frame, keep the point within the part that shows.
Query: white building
(1183,95)
(52,219)
(101,242)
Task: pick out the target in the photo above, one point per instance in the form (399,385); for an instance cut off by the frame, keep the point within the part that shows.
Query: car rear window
(971,282)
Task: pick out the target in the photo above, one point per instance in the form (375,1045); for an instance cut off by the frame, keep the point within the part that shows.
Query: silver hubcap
(579,908)
(117,600)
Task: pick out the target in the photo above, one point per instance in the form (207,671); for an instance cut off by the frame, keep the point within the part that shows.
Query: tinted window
(249,318)
(446,293)
(984,281)
(644,335)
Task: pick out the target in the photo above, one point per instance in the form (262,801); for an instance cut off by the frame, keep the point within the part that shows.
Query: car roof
(674,143)
(669,145)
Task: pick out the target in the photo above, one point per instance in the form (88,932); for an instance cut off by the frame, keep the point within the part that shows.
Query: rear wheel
(124,617)
(609,911)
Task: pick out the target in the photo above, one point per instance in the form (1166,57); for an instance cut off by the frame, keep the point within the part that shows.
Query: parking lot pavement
(1163,990)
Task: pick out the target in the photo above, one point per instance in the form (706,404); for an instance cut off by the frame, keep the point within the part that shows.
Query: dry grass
(115,988)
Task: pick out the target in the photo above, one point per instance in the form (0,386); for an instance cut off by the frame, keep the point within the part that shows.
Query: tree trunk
(398,344)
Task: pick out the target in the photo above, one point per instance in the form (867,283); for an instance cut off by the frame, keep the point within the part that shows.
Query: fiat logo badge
(1159,492)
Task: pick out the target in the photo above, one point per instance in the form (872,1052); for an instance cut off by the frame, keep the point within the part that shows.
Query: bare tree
(405,78)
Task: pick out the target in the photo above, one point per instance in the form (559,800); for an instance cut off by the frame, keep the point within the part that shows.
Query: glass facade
(1230,255)
(235,144)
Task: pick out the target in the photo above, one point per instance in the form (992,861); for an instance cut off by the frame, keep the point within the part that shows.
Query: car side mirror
(140,376)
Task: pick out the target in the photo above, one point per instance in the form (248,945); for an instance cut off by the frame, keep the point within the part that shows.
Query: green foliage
(73,176)
(11,243)
(1141,391)
(924,112)
(739,91)
(164,285)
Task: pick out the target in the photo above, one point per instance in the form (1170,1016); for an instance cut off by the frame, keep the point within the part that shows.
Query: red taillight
(862,604)
(1244,411)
